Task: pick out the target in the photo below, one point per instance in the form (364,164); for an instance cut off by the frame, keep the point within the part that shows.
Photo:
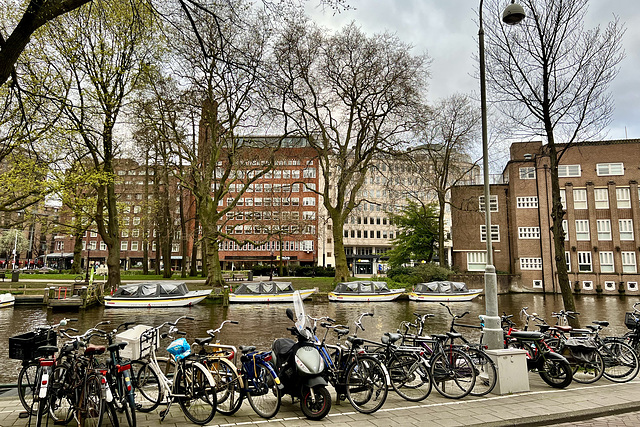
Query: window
(580,199)
(565,227)
(309,201)
(610,169)
(93,245)
(569,171)
(606,262)
(135,232)
(175,247)
(609,286)
(604,229)
(495,233)
(307,245)
(528,232)
(601,197)
(537,284)
(125,232)
(567,260)
(103,246)
(309,187)
(584,261)
(626,229)
(563,198)
(134,245)
(530,263)
(476,261)
(493,203)
(136,220)
(528,172)
(124,245)
(632,286)
(587,285)
(582,229)
(623,197)
(527,202)
(628,262)
(309,173)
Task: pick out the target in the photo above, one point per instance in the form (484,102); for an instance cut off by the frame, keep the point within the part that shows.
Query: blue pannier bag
(179,348)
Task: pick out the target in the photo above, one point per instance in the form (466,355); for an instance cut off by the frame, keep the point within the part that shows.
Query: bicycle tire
(452,373)
(109,415)
(263,393)
(366,381)
(588,372)
(91,403)
(198,402)
(127,400)
(555,372)
(620,361)
(485,370)
(145,381)
(409,376)
(228,385)
(26,384)
(61,408)
(40,410)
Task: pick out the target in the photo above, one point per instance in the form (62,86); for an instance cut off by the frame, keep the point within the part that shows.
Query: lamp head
(513,14)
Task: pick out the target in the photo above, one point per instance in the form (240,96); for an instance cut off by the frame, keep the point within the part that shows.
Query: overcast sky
(447,31)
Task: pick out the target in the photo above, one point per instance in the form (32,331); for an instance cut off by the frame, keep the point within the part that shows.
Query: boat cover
(268,287)
(152,289)
(362,286)
(442,287)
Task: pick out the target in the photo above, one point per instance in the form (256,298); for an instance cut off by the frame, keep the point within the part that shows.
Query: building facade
(599,191)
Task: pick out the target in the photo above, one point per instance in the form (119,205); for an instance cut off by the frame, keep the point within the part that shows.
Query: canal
(260,324)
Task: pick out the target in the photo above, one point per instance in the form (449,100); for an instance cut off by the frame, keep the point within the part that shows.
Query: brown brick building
(599,185)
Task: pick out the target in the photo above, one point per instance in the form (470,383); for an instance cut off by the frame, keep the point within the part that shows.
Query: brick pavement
(600,404)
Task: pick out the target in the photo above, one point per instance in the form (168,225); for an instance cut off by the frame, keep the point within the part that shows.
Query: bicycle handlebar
(213,333)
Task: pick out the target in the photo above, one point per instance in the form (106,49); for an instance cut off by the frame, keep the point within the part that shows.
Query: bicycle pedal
(23,414)
(164,412)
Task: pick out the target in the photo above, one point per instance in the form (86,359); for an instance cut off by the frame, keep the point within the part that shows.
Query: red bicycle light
(46,362)
(267,358)
(122,368)
(231,355)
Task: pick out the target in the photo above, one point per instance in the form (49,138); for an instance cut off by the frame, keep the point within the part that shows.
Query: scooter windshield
(301,317)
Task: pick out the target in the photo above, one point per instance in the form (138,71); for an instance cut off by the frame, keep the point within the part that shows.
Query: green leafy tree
(417,234)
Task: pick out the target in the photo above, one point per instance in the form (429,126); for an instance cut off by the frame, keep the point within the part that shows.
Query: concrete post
(225,296)
(45,297)
(493,334)
(83,295)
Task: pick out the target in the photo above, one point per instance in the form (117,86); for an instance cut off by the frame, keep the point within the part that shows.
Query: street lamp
(513,14)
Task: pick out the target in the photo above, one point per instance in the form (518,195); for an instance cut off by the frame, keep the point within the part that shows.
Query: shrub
(420,273)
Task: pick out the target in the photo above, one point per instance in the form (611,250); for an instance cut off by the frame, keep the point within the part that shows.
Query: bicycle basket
(631,320)
(25,346)
(179,348)
(132,337)
(149,341)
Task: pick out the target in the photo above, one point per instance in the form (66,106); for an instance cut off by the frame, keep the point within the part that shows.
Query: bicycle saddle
(94,349)
(355,341)
(563,328)
(247,348)
(454,335)
(47,350)
(203,341)
(601,323)
(440,337)
(390,338)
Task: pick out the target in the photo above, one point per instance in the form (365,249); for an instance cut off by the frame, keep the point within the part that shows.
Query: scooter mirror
(290,314)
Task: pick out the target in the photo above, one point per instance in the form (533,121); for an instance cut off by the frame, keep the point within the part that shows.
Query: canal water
(260,324)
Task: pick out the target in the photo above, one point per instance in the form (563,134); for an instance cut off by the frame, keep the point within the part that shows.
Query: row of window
(273,201)
(600,195)
(587,285)
(267,229)
(476,261)
(603,226)
(272,245)
(270,188)
(368,220)
(271,215)
(574,171)
(369,234)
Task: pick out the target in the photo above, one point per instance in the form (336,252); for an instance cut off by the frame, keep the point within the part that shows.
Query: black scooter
(301,370)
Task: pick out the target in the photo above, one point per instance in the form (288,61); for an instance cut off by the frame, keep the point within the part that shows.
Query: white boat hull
(444,297)
(189,299)
(364,297)
(269,298)
(7,300)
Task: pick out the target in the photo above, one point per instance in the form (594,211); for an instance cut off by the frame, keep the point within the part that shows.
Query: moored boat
(363,291)
(268,291)
(154,294)
(7,300)
(443,291)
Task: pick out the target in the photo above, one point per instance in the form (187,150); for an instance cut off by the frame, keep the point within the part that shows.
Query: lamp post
(513,14)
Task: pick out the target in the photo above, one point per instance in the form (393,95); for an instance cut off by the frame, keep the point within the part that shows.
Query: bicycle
(359,378)
(580,351)
(192,386)
(632,322)
(485,368)
(620,360)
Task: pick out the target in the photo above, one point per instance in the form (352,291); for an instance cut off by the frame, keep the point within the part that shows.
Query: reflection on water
(260,324)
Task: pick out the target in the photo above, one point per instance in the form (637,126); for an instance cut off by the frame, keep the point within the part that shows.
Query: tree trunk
(194,247)
(441,251)
(214,272)
(77,255)
(342,269)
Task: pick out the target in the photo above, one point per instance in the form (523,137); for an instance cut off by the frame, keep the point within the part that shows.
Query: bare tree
(550,75)
(352,96)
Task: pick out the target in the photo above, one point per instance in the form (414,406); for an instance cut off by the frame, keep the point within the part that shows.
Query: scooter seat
(282,347)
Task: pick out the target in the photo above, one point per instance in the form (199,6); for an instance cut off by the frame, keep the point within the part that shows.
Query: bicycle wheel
(40,410)
(148,392)
(366,384)
(263,393)
(91,409)
(588,371)
(124,401)
(557,373)
(485,370)
(620,361)
(26,384)
(228,387)
(198,402)
(453,374)
(60,395)
(110,416)
(409,376)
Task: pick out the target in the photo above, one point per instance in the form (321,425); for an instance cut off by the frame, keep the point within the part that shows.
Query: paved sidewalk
(543,405)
